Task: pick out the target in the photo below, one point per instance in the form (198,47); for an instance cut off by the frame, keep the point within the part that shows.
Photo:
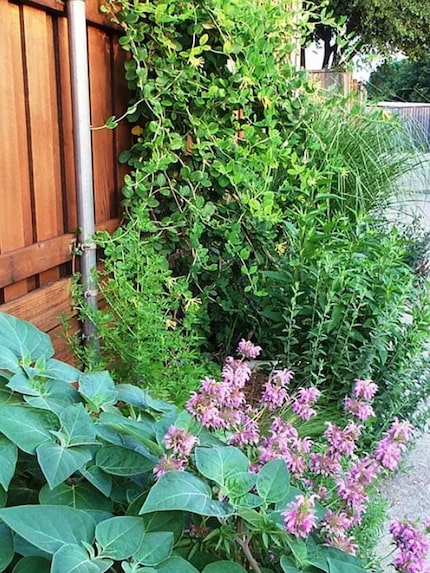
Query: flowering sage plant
(101,477)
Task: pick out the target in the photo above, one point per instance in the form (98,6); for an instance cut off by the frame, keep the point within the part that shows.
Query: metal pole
(83,157)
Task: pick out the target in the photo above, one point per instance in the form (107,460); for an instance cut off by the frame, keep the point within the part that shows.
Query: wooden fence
(38,216)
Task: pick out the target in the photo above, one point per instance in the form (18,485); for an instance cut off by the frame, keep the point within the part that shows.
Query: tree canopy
(379,26)
(401,80)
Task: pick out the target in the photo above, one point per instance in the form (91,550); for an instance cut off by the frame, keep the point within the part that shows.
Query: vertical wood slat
(40,54)
(99,47)
(15,203)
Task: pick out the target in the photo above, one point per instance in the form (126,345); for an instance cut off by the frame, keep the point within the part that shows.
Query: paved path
(409,492)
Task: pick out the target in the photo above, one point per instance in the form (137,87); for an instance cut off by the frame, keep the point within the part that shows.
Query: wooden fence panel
(38,214)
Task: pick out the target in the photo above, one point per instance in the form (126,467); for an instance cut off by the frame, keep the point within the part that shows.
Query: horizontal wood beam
(28,261)
(44,306)
(94,16)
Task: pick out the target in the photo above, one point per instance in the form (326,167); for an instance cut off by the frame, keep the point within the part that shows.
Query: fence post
(78,46)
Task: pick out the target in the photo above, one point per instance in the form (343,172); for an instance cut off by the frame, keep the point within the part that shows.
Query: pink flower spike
(168,464)
(400,431)
(247,349)
(365,389)
(300,518)
(179,441)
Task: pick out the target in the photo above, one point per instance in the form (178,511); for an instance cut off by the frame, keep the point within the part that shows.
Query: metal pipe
(78,48)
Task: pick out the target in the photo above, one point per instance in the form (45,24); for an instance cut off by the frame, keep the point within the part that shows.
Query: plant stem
(244,544)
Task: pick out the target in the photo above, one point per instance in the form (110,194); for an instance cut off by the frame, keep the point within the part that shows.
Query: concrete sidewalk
(408,492)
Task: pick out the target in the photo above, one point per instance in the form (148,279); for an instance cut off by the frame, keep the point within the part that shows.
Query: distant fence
(341,82)
(415,115)
(38,216)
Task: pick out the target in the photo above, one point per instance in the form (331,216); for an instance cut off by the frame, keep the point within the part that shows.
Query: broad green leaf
(48,527)
(75,559)
(142,430)
(78,426)
(220,463)
(140,398)
(81,496)
(61,371)
(248,500)
(24,385)
(58,463)
(288,565)
(97,477)
(7,549)
(183,491)
(3,497)
(298,549)
(176,565)
(341,562)
(240,484)
(27,427)
(224,567)
(316,555)
(273,481)
(9,360)
(172,521)
(252,517)
(120,537)
(98,388)
(129,568)
(32,565)
(8,457)
(119,461)
(24,339)
(56,397)
(27,549)
(154,548)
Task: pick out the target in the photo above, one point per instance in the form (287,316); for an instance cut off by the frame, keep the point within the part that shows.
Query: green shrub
(147,324)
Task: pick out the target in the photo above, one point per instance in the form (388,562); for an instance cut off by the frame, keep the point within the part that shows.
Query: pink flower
(365,389)
(324,464)
(281,377)
(247,349)
(400,431)
(246,432)
(167,464)
(303,401)
(180,441)
(300,518)
(273,396)
(359,408)
(412,545)
(342,440)
(388,453)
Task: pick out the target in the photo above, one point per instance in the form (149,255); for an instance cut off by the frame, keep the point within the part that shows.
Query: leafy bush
(147,321)
(97,477)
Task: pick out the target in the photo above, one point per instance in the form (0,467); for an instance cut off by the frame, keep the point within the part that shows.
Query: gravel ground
(408,491)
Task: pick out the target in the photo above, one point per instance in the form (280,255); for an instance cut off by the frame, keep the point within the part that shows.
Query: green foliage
(81,497)
(400,80)
(261,200)
(385,28)
(148,321)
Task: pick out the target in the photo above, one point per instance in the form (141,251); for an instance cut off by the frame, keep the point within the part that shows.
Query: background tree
(401,80)
(384,27)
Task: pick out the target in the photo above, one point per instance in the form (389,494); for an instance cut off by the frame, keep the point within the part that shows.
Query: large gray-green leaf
(8,457)
(80,496)
(154,548)
(27,549)
(141,399)
(49,526)
(27,427)
(120,461)
(183,491)
(22,384)
(341,562)
(273,481)
(7,550)
(224,567)
(120,537)
(24,339)
(98,388)
(288,565)
(9,360)
(75,559)
(58,463)
(78,426)
(97,477)
(32,565)
(172,521)
(57,370)
(142,430)
(176,565)
(221,463)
